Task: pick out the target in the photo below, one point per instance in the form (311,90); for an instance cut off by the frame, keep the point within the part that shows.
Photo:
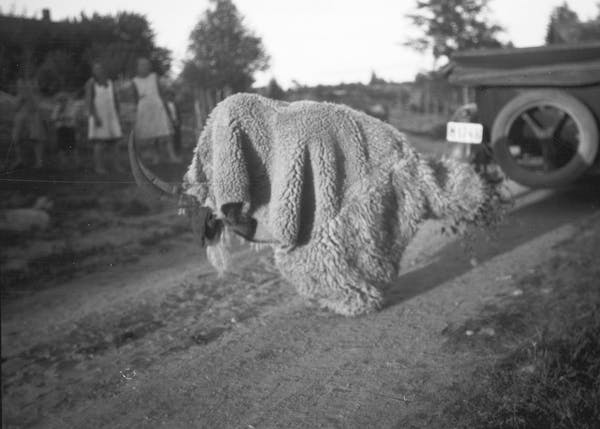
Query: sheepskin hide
(340,192)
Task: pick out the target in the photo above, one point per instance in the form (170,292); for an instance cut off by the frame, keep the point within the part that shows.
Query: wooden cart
(539,107)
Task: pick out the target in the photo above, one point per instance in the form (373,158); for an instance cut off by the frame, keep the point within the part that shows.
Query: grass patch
(541,366)
(161,234)
(552,382)
(134,207)
(58,265)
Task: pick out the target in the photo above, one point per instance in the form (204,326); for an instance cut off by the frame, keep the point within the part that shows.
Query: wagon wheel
(544,138)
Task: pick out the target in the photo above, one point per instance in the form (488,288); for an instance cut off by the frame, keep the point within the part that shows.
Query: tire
(582,159)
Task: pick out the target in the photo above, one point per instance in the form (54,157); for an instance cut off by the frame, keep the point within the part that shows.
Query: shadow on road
(520,226)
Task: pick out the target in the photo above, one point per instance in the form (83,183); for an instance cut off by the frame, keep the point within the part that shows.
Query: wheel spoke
(535,126)
(551,146)
(542,137)
(564,143)
(547,150)
(560,124)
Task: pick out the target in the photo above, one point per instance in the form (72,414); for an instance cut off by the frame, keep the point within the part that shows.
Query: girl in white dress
(104,129)
(153,125)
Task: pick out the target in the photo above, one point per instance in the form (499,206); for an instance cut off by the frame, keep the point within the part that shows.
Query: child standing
(29,127)
(64,117)
(104,129)
(153,126)
(175,115)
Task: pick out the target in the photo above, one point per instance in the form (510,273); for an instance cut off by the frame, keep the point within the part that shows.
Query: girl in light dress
(153,125)
(104,129)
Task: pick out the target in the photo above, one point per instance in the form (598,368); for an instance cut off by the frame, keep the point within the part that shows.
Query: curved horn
(147,180)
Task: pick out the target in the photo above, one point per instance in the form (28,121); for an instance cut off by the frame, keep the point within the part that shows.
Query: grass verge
(538,352)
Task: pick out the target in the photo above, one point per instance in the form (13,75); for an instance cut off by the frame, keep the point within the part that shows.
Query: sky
(318,41)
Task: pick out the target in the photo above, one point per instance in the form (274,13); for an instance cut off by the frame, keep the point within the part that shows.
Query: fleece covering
(340,193)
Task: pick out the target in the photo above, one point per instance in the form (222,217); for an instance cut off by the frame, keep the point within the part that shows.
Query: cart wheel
(544,138)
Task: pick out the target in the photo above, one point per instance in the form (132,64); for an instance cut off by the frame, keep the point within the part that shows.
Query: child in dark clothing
(64,117)
(173,108)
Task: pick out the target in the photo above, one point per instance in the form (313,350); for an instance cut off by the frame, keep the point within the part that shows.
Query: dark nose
(243,225)
(204,223)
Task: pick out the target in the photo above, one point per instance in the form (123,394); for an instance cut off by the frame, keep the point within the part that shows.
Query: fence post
(205,101)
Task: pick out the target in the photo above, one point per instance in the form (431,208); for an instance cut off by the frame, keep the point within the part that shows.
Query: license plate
(464,132)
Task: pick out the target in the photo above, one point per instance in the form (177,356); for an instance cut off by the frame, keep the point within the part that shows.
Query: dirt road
(160,341)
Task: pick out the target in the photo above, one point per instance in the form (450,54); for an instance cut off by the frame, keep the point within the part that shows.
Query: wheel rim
(543,138)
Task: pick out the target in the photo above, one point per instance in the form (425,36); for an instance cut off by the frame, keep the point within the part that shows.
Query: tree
(118,41)
(56,72)
(375,79)
(565,26)
(224,53)
(59,53)
(275,91)
(453,25)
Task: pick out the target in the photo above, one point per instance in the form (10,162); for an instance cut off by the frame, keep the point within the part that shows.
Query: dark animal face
(242,225)
(204,223)
(207,227)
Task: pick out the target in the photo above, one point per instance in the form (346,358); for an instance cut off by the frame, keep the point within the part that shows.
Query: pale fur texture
(342,193)
(218,251)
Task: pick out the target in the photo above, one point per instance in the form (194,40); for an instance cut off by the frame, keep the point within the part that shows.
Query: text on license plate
(464,132)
